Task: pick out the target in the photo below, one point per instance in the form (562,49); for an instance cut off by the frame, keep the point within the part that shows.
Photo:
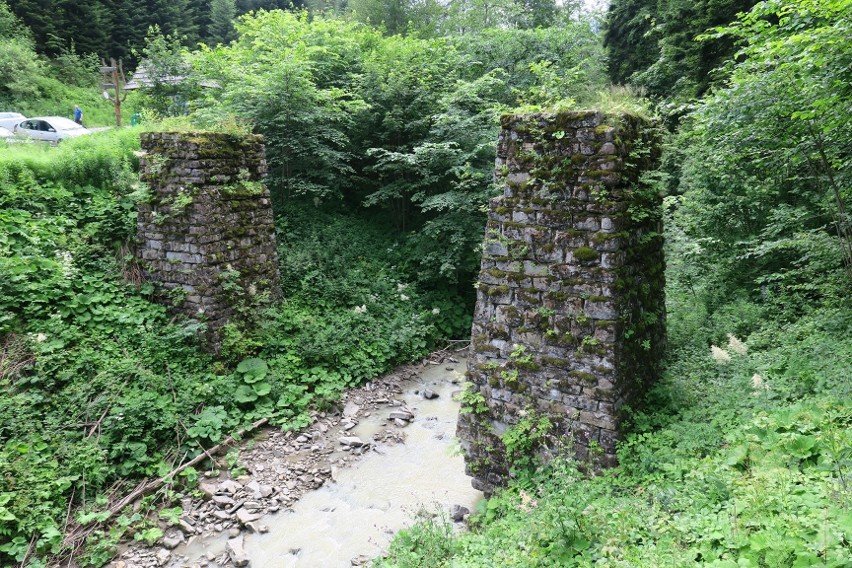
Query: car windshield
(60,123)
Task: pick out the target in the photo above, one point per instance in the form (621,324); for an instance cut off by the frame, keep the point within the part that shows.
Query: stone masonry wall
(206,237)
(569,321)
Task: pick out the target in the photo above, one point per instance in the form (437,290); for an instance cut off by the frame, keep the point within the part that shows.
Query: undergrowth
(101,386)
(739,462)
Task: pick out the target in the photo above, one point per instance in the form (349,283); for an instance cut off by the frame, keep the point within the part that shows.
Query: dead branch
(146,488)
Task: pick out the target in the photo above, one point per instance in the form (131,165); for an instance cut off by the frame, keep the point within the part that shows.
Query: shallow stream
(357,514)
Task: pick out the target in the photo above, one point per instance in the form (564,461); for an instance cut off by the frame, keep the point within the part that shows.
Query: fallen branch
(148,487)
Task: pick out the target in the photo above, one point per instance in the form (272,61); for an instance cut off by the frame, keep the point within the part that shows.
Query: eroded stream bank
(334,494)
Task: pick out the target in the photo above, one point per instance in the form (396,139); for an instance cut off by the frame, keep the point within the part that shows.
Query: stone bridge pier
(206,236)
(570,314)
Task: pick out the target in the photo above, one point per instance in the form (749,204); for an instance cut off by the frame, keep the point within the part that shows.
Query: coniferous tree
(126,28)
(221,28)
(653,44)
(83,24)
(38,16)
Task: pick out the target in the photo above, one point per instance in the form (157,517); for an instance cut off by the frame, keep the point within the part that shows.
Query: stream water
(380,494)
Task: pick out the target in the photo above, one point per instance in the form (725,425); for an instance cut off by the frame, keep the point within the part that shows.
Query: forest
(380,119)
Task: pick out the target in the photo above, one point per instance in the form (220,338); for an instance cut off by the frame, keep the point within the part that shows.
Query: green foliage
(524,440)
(766,175)
(173,84)
(427,544)
(745,463)
(472,401)
(402,127)
(654,45)
(221,28)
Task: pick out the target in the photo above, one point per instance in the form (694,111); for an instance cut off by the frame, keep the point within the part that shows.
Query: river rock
(351,441)
(257,528)
(244,516)
(351,409)
(187,526)
(163,556)
(208,489)
(235,548)
(223,500)
(172,539)
(229,486)
(429,394)
(401,415)
(457,513)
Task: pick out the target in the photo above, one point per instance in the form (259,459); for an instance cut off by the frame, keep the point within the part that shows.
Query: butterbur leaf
(806,560)
(95,516)
(254,364)
(255,368)
(261,389)
(245,393)
(737,456)
(758,541)
(801,446)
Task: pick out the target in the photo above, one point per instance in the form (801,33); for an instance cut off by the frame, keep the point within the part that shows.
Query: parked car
(6,135)
(49,128)
(10,119)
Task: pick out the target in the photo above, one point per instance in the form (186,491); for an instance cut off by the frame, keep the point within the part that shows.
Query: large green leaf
(253,370)
(245,393)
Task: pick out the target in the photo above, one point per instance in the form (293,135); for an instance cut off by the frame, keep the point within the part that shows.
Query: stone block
(218,227)
(558,302)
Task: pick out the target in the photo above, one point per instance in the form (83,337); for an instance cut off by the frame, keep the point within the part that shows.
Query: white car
(5,133)
(49,128)
(10,119)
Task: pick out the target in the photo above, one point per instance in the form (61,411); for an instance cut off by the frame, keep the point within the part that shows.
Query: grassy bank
(741,457)
(101,386)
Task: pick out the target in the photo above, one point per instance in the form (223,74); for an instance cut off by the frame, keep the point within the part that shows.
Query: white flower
(720,355)
(252,289)
(400,287)
(436,311)
(758,383)
(361,309)
(39,337)
(403,297)
(736,345)
(66,261)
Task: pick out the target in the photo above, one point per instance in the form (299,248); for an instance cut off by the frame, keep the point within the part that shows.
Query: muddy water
(369,501)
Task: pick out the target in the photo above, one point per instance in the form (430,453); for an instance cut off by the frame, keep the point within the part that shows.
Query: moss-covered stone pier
(206,236)
(569,322)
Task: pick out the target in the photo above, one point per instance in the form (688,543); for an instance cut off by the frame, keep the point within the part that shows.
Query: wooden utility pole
(113,75)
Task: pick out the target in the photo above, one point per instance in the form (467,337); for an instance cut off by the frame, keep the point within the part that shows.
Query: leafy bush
(100,384)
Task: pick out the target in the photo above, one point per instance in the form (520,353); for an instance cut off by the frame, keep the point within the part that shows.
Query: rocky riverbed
(271,514)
